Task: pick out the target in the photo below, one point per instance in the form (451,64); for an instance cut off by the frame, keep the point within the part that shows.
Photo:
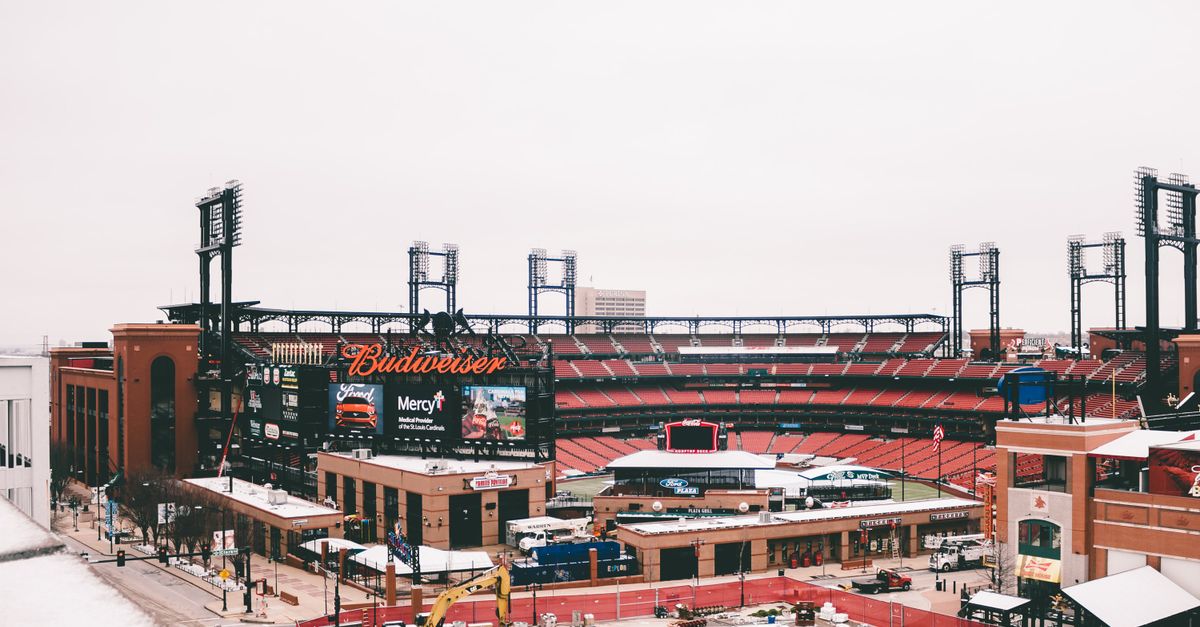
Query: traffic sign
(222,552)
(224,574)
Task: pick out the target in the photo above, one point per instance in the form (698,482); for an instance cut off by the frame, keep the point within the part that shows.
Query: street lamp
(534,587)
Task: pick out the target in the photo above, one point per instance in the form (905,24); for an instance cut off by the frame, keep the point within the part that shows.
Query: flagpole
(939,478)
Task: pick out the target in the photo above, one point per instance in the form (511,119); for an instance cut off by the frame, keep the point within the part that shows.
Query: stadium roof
(719,459)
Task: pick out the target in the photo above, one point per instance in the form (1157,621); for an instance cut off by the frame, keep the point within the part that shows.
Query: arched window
(162,413)
(1040,538)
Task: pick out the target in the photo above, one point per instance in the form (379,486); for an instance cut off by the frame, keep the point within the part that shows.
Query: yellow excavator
(497,578)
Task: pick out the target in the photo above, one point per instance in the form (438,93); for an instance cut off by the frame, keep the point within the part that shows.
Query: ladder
(895,545)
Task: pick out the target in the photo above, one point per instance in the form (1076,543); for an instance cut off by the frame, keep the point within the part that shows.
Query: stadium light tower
(1177,231)
(220,231)
(1113,247)
(989,278)
(538,283)
(418,274)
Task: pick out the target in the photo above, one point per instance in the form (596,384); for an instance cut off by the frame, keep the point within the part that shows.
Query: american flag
(938,434)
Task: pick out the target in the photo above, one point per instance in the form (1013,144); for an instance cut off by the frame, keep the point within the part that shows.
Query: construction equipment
(958,554)
(497,578)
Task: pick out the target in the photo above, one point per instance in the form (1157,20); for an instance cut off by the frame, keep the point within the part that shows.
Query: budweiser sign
(368,359)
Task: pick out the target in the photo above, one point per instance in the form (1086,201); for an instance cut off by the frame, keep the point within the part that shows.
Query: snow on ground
(40,585)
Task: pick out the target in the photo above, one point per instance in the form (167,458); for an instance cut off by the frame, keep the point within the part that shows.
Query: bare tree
(1002,569)
(62,467)
(141,493)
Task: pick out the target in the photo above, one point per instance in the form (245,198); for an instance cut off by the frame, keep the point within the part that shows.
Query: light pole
(224,545)
(534,587)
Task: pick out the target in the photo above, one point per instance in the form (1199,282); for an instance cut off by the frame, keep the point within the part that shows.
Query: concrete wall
(25,432)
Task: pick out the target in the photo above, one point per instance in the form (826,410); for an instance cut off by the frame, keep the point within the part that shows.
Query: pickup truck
(884,581)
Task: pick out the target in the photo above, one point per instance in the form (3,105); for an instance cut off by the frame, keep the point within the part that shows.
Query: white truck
(528,533)
(934,542)
(958,554)
(548,537)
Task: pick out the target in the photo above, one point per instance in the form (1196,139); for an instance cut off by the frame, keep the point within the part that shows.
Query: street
(166,598)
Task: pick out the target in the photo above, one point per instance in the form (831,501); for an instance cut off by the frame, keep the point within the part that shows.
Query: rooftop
(734,522)
(1133,598)
(446,466)
(256,496)
(719,459)
(1136,444)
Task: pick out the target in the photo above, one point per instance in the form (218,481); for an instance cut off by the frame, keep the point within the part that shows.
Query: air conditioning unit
(362,453)
(277,497)
(433,467)
(765,517)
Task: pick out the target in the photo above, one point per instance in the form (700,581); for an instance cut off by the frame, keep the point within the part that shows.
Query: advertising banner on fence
(356,408)
(493,412)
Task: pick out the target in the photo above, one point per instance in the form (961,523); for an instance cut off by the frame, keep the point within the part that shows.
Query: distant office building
(591,301)
(25,435)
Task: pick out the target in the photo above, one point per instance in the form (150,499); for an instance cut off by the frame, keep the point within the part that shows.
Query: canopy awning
(1133,598)
(432,560)
(1135,445)
(998,602)
(335,544)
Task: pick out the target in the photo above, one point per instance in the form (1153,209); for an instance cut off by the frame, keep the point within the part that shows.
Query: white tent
(432,560)
(335,545)
(1133,598)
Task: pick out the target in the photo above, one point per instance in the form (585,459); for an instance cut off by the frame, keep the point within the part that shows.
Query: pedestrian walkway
(309,589)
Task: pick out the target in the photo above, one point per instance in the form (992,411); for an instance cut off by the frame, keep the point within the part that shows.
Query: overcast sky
(728,158)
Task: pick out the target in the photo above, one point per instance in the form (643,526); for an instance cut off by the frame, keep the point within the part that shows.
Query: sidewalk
(316,599)
(308,588)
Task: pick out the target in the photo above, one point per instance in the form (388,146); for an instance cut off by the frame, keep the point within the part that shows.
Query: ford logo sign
(673,483)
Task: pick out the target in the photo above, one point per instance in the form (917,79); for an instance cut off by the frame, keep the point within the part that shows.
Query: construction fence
(640,601)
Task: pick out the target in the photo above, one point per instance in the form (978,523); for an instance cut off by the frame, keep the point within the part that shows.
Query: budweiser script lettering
(370,359)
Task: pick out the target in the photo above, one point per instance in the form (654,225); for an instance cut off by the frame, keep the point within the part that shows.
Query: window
(348,496)
(1039,472)
(331,487)
(1039,538)
(391,506)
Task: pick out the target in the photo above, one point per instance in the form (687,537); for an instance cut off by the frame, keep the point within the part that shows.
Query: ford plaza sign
(673,483)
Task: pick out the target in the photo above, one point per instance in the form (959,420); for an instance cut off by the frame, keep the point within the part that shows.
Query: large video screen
(422,411)
(491,412)
(691,436)
(356,408)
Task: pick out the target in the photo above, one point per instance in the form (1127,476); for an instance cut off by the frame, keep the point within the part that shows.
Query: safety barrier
(641,602)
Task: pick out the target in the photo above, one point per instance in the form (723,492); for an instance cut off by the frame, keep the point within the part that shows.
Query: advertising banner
(1175,471)
(491,412)
(421,411)
(356,408)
